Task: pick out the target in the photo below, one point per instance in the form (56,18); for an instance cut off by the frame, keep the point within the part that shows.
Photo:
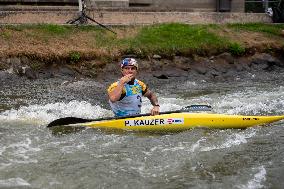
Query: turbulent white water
(32,156)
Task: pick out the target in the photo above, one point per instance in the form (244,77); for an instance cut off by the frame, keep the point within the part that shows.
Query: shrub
(75,57)
(236,49)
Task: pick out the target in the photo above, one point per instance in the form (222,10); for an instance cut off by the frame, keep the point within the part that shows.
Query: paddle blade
(193,108)
(67,121)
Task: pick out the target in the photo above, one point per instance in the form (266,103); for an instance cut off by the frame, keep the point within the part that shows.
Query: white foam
(251,101)
(13,182)
(21,152)
(190,84)
(258,178)
(196,145)
(173,149)
(233,140)
(49,112)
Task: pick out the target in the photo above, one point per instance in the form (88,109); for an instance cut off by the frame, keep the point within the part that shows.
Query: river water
(33,156)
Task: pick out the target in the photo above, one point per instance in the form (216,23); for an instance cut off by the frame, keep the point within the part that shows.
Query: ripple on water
(19,152)
(13,182)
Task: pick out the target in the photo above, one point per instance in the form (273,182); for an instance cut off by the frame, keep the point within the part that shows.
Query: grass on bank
(271,29)
(170,39)
(164,39)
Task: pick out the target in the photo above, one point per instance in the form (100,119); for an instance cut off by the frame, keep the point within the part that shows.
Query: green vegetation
(271,29)
(53,29)
(35,65)
(50,29)
(75,57)
(167,40)
(236,49)
(6,35)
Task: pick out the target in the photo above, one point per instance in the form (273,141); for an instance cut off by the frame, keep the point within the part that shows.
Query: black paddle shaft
(75,120)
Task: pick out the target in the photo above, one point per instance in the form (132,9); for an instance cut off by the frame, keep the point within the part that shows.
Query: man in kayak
(125,95)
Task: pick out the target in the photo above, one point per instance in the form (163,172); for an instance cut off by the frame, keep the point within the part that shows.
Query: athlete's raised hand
(126,78)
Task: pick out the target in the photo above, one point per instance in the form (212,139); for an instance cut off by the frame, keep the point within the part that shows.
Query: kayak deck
(183,121)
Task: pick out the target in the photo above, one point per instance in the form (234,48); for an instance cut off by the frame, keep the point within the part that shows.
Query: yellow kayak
(182,121)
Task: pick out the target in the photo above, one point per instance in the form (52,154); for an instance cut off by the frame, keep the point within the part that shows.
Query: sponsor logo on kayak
(148,122)
(175,121)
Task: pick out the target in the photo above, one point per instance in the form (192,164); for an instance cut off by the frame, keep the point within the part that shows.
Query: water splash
(231,140)
(251,101)
(49,112)
(258,178)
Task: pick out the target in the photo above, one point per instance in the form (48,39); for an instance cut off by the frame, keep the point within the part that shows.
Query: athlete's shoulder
(143,86)
(112,86)
(141,83)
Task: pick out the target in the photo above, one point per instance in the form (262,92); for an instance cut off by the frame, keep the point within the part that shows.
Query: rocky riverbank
(222,67)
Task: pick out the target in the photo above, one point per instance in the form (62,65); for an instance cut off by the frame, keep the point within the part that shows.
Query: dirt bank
(198,52)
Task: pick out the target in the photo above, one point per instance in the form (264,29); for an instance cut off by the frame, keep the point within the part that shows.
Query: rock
(265,61)
(4,75)
(220,65)
(24,71)
(156,56)
(200,69)
(197,58)
(144,65)
(156,65)
(223,63)
(231,74)
(183,60)
(14,61)
(3,64)
(219,78)
(162,76)
(239,67)
(25,60)
(16,65)
(242,64)
(112,67)
(227,57)
(65,71)
(214,73)
(261,58)
(30,73)
(183,67)
(89,73)
(46,73)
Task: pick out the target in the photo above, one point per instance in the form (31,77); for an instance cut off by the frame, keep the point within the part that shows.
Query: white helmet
(129,62)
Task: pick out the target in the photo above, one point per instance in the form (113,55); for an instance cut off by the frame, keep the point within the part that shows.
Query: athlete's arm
(115,94)
(154,101)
